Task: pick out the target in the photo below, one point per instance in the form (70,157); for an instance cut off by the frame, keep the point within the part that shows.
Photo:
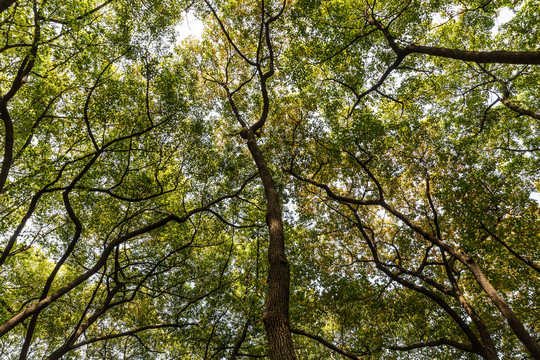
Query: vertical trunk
(276,315)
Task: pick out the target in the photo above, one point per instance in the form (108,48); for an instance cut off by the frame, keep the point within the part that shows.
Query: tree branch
(326,343)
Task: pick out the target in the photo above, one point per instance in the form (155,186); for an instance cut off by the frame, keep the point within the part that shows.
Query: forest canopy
(334,179)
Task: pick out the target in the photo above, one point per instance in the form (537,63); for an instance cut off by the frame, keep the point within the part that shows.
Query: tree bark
(8,145)
(276,314)
(482,57)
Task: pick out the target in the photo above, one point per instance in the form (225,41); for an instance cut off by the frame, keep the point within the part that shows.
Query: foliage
(155,194)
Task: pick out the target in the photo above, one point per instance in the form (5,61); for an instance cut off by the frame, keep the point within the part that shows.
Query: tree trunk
(276,314)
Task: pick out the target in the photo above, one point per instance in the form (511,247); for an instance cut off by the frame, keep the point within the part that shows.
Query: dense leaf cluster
(306,179)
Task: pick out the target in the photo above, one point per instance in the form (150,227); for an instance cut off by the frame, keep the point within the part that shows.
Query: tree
(308,179)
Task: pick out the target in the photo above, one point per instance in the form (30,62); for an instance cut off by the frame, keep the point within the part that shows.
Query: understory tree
(306,179)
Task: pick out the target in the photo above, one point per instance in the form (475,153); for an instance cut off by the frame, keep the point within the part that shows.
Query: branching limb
(332,194)
(236,350)
(506,95)
(229,39)
(513,321)
(130,333)
(485,336)
(24,70)
(43,303)
(476,345)
(326,343)
(481,57)
(432,206)
(87,103)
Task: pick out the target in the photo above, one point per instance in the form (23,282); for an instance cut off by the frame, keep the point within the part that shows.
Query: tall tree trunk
(276,315)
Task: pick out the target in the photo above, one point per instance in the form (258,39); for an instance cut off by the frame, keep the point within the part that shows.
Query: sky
(190,26)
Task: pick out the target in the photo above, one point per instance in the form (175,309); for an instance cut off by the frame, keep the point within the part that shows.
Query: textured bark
(276,314)
(482,57)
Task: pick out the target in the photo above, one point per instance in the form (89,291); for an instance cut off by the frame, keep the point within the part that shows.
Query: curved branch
(326,343)
(241,339)
(22,74)
(523,259)
(332,194)
(506,95)
(476,345)
(509,315)
(229,39)
(481,57)
(519,109)
(129,333)
(401,56)
(345,47)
